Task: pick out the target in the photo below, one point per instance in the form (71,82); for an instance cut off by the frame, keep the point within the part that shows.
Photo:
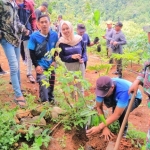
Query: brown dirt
(139,117)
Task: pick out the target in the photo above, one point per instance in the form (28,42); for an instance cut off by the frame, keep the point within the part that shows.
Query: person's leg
(22,52)
(52,83)
(29,62)
(13,54)
(119,68)
(136,103)
(85,63)
(43,90)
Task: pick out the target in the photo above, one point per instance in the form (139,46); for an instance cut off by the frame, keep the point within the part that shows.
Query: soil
(62,140)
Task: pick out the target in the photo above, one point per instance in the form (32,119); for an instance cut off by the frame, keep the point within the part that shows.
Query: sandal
(31,78)
(17,102)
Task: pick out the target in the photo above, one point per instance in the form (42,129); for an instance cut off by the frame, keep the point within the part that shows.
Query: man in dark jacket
(27,17)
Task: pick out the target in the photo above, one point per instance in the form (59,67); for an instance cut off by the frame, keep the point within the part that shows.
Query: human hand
(107,134)
(81,61)
(115,43)
(92,131)
(134,87)
(39,70)
(111,42)
(76,56)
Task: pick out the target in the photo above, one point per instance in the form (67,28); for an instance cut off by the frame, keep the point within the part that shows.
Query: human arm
(112,118)
(122,40)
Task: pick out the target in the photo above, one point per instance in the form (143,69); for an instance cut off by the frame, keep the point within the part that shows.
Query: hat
(119,24)
(103,84)
(81,27)
(109,22)
(45,4)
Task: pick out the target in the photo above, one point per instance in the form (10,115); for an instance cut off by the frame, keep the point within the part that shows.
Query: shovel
(115,146)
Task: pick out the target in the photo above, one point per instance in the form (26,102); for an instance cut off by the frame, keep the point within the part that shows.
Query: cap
(103,84)
(81,27)
(119,24)
(45,4)
(109,22)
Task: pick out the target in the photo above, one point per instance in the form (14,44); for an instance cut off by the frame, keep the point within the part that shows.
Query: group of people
(19,22)
(23,27)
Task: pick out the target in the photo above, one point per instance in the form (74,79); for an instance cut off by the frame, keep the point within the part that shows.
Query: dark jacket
(9,22)
(27,16)
(68,51)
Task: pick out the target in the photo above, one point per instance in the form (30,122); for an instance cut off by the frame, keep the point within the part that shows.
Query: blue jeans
(13,56)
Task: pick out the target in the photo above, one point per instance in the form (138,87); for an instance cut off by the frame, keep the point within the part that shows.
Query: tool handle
(124,122)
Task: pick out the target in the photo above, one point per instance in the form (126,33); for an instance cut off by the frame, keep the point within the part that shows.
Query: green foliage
(37,141)
(8,129)
(96,17)
(62,141)
(136,136)
(114,127)
(102,69)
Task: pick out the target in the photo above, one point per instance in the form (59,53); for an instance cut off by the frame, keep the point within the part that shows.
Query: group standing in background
(115,39)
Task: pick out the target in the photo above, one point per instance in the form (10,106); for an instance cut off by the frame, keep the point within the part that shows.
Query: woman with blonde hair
(73,51)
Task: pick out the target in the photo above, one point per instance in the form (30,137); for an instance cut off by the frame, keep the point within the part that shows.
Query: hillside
(137,11)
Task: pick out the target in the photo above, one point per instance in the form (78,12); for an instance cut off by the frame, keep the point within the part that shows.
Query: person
(113,92)
(73,52)
(10,40)
(118,39)
(36,38)
(143,80)
(60,20)
(41,10)
(27,17)
(85,37)
(108,36)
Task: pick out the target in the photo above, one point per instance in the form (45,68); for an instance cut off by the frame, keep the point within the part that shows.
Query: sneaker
(31,78)
(116,73)
(120,75)
(2,72)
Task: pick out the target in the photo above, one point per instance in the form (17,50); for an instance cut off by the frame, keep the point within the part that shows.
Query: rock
(54,115)
(88,147)
(37,111)
(22,113)
(17,120)
(58,110)
(38,132)
(34,121)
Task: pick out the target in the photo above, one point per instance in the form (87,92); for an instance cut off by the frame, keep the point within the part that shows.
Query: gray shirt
(108,35)
(120,39)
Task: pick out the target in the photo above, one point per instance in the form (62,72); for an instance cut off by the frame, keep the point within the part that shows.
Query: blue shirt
(121,95)
(38,38)
(86,40)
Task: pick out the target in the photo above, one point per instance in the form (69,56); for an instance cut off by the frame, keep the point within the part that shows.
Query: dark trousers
(136,103)
(46,93)
(85,63)
(22,52)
